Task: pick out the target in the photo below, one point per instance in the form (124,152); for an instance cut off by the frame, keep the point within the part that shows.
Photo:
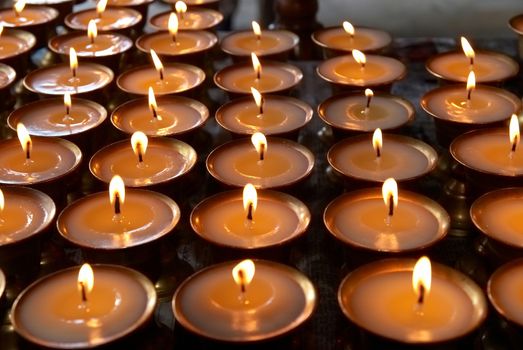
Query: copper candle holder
(502,289)
(42,29)
(194,19)
(8,76)
(128,20)
(209,4)
(516,24)
(19,59)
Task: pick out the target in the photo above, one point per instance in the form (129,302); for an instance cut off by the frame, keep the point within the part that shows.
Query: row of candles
(241,307)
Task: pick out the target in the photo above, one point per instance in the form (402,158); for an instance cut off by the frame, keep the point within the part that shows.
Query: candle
(368,159)
(261,300)
(385,299)
(272,162)
(489,67)
(262,43)
(270,77)
(84,309)
(60,117)
(516,24)
(360,70)
(339,40)
(128,218)
(269,114)
(191,19)
(491,151)
(24,213)
(385,221)
(14,43)
(72,78)
(164,79)
(163,116)
(178,44)
(250,219)
(32,160)
(503,291)
(212,4)
(22,16)
(142,161)
(7,78)
(107,19)
(366,112)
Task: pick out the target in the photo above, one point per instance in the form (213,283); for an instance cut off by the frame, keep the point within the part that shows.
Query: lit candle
(198,4)
(272,77)
(269,114)
(365,112)
(84,308)
(143,162)
(488,66)
(400,157)
(385,298)
(191,19)
(163,116)
(270,163)
(250,219)
(22,16)
(385,221)
(224,301)
(503,290)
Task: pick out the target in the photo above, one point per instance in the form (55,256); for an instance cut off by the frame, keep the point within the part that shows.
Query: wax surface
(10,45)
(505,290)
(488,67)
(186,42)
(49,160)
(112,19)
(104,44)
(128,2)
(363,221)
(486,105)
(378,70)
(489,152)
(350,113)
(193,19)
(163,161)
(280,115)
(177,78)
(398,159)
(238,164)
(210,302)
(29,16)
(271,42)
(53,311)
(222,219)
(145,216)
(365,39)
(386,304)
(48,117)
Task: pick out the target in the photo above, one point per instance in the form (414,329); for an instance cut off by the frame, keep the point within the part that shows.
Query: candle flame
(85,280)
(116,190)
(157,63)
(67,102)
(153,107)
(256,65)
(172,25)
(377,142)
(389,191)
(250,200)
(73,61)
(359,57)
(139,142)
(349,28)
(514,132)
(471,81)
(24,138)
(422,278)
(2,200)
(369,94)
(180,7)
(1,29)
(467,49)
(100,7)
(243,273)
(92,30)
(258,99)
(19,6)
(256,29)
(260,143)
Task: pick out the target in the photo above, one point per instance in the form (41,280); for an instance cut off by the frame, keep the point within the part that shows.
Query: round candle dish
(378,297)
(193,19)
(503,291)
(489,67)
(275,77)
(15,47)
(335,41)
(64,7)
(237,163)
(455,114)
(38,20)
(210,4)
(280,299)
(7,78)
(50,312)
(140,6)
(2,286)
(403,158)
(360,219)
(516,24)
(281,116)
(177,78)
(347,113)
(113,19)
(379,72)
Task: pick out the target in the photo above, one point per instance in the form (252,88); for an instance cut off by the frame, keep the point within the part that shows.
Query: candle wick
(261,105)
(249,212)
(161,73)
(73,71)
(28,150)
(174,38)
(515,143)
(471,63)
(117,209)
(363,66)
(262,152)
(242,283)
(140,156)
(421,295)
(258,38)
(378,153)
(84,294)
(391,205)
(469,94)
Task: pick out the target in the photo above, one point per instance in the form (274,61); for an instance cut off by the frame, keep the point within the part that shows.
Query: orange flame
(422,278)
(18,7)
(256,65)
(139,142)
(100,7)
(92,30)
(157,63)
(514,132)
(258,99)
(359,57)
(243,273)
(73,61)
(256,29)
(468,50)
(349,28)
(180,7)
(2,200)
(389,191)
(250,200)
(377,142)
(25,139)
(260,143)
(117,192)
(85,281)
(172,25)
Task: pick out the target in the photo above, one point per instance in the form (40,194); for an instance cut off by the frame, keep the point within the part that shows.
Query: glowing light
(117,193)
(139,143)
(243,273)
(18,7)
(25,139)
(514,132)
(256,29)
(349,28)
(100,7)
(260,143)
(389,191)
(73,61)
(468,50)
(172,25)
(256,65)
(181,8)
(422,278)
(258,99)
(85,281)
(92,30)
(377,142)
(471,84)
(359,57)
(250,200)
(157,63)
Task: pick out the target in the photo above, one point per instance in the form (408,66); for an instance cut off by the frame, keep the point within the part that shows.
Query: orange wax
(270,42)
(103,45)
(193,19)
(116,18)
(12,45)
(365,39)
(186,42)
(31,15)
